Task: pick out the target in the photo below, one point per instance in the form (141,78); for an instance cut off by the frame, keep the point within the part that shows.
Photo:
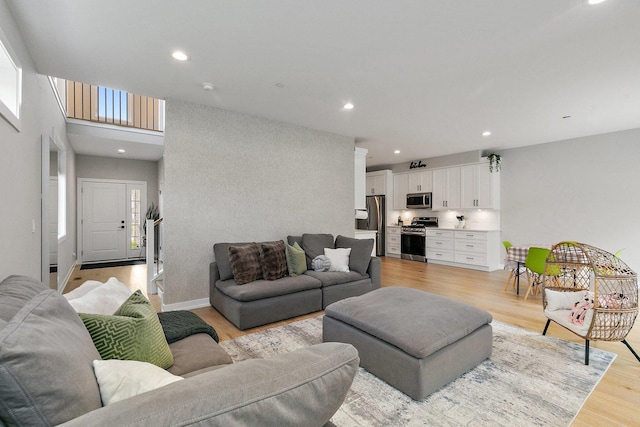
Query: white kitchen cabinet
(479,188)
(377,182)
(360,175)
(393,241)
(446,189)
(478,250)
(400,190)
(420,182)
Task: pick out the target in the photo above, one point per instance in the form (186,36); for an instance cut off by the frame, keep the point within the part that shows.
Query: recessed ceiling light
(596,1)
(121,151)
(348,106)
(180,56)
(207,86)
(396,152)
(486,133)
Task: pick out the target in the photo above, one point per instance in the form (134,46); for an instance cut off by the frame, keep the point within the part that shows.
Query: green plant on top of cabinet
(446,189)
(479,189)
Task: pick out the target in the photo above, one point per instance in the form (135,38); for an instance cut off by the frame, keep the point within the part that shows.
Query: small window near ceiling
(10,85)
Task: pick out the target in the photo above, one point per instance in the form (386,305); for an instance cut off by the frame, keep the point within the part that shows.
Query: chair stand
(546,327)
(631,349)
(586,352)
(586,345)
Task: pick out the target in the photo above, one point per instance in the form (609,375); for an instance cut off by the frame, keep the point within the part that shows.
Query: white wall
(230,177)
(20,165)
(585,189)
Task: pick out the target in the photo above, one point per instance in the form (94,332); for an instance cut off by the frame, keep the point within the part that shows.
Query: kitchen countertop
(464,229)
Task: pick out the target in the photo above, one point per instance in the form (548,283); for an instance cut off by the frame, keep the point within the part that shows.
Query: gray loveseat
(266,301)
(47,378)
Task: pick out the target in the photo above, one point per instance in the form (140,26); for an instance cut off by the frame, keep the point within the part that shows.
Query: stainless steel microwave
(419,201)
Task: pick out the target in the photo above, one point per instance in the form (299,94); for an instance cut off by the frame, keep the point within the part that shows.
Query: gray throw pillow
(321,263)
(360,252)
(46,356)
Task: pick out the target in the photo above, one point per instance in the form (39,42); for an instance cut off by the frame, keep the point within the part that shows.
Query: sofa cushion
(296,259)
(132,333)
(196,352)
(314,244)
(122,379)
(331,278)
(274,260)
(245,263)
(360,255)
(46,355)
(261,289)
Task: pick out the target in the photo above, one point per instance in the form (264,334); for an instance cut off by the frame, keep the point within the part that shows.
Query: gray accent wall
(584,189)
(231,177)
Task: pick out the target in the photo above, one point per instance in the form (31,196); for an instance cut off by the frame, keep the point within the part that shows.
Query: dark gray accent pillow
(314,244)
(245,263)
(274,260)
(46,357)
(221,254)
(360,252)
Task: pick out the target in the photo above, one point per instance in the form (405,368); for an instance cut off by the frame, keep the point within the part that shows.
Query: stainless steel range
(414,238)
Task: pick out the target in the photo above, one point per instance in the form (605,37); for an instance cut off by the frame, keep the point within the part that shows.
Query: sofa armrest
(304,387)
(214,276)
(375,272)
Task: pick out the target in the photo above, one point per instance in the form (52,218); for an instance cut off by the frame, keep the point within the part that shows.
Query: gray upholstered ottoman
(414,340)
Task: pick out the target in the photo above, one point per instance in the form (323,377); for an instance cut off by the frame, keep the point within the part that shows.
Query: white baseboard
(187,305)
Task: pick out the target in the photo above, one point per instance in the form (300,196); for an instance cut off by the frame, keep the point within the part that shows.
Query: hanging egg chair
(593,293)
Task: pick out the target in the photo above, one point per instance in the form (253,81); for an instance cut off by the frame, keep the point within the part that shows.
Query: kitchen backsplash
(475,219)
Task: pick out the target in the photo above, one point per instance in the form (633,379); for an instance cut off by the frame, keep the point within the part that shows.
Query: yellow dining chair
(536,263)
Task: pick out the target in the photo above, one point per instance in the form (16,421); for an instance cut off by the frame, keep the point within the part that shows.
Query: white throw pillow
(122,379)
(339,258)
(98,298)
(557,300)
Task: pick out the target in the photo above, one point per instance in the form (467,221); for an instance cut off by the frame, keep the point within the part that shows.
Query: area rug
(529,380)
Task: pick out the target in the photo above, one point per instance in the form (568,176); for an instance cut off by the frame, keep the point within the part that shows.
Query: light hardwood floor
(616,399)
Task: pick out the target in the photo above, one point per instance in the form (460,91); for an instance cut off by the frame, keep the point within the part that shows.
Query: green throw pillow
(296,260)
(132,333)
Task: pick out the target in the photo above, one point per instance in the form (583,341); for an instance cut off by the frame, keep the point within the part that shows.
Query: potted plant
(494,161)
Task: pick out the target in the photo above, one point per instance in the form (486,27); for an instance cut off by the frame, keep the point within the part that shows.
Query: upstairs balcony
(110,122)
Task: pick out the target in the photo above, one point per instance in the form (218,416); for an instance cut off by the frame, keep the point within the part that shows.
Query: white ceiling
(427,77)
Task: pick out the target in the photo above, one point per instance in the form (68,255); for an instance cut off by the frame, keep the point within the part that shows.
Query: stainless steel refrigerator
(375,221)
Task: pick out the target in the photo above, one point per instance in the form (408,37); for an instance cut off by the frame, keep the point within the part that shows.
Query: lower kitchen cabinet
(393,241)
(478,250)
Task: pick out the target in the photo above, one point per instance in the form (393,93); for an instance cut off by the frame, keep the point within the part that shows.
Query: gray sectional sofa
(266,301)
(47,378)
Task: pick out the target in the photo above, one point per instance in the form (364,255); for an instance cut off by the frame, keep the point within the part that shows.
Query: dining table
(518,254)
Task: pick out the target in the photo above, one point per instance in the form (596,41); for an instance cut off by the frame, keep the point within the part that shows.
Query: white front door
(104,221)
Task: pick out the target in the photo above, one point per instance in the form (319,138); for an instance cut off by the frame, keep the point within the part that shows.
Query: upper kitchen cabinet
(400,190)
(360,175)
(420,182)
(446,189)
(480,188)
(379,182)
